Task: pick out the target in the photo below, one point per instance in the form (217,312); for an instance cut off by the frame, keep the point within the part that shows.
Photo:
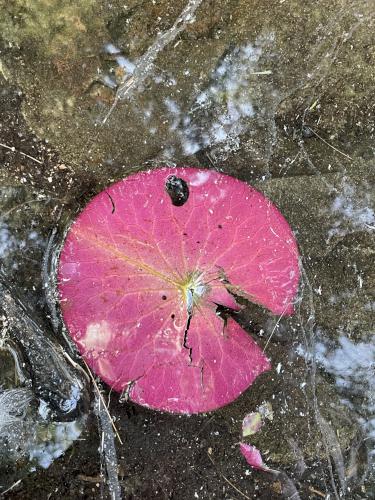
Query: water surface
(279,94)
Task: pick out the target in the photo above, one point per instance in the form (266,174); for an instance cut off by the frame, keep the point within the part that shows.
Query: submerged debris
(42,417)
(13,406)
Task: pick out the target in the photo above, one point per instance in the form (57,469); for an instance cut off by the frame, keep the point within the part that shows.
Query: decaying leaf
(254,458)
(141,276)
(253,421)
(251,424)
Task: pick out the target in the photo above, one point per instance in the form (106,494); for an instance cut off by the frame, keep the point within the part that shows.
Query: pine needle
(14,150)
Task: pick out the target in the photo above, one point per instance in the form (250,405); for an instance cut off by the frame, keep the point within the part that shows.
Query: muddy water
(279,94)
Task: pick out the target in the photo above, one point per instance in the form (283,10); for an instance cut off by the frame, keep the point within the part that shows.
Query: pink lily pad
(140,279)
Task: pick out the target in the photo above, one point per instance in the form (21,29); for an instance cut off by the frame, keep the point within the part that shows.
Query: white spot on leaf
(97,337)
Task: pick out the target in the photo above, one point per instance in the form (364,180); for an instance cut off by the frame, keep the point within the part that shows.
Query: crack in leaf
(112,202)
(125,395)
(202,380)
(190,349)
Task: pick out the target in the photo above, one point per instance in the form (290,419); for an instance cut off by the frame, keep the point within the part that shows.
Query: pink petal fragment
(127,270)
(253,457)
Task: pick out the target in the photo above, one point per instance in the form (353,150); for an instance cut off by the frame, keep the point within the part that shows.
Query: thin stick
(103,401)
(330,145)
(77,366)
(227,480)
(14,150)
(102,446)
(114,104)
(11,487)
(274,328)
(265,72)
(317,492)
(27,202)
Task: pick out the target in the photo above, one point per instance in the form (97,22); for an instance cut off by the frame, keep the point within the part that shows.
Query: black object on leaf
(178,190)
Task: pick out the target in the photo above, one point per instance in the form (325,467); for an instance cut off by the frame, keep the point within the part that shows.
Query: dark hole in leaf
(178,190)
(164,297)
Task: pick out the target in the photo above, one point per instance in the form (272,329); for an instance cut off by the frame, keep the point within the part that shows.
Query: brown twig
(227,480)
(90,479)
(317,492)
